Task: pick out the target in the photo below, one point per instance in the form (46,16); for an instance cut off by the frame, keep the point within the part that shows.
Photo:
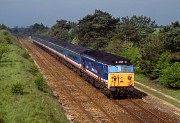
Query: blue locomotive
(113,75)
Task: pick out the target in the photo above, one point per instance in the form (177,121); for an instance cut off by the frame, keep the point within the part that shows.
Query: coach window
(89,63)
(99,67)
(93,65)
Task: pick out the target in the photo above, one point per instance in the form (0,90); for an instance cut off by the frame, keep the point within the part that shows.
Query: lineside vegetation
(24,94)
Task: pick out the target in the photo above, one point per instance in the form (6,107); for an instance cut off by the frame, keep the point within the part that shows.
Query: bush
(3,49)
(1,120)
(163,62)
(5,33)
(33,70)
(8,40)
(17,88)
(171,75)
(151,49)
(40,83)
(147,67)
(25,55)
(114,47)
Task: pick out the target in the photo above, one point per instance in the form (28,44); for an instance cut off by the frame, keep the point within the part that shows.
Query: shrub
(114,47)
(40,83)
(25,55)
(1,120)
(147,67)
(8,40)
(33,70)
(5,33)
(17,88)
(163,62)
(171,75)
(3,49)
(151,49)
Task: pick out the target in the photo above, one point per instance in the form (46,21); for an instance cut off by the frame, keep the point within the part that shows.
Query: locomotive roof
(67,45)
(106,58)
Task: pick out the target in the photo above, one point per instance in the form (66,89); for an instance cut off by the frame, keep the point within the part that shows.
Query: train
(113,75)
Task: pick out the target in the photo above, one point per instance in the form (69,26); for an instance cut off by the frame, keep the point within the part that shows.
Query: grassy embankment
(167,91)
(24,95)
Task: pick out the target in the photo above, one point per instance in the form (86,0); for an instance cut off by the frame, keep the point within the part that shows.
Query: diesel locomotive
(113,75)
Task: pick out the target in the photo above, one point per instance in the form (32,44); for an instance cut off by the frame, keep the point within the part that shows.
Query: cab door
(100,72)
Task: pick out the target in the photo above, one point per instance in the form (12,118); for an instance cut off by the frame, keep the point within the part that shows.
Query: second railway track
(144,112)
(82,102)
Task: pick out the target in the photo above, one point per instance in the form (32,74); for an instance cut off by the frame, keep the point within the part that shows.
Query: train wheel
(112,94)
(107,92)
(101,88)
(97,84)
(79,72)
(92,81)
(83,76)
(132,96)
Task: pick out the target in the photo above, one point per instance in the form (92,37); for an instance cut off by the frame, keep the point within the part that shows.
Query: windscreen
(121,69)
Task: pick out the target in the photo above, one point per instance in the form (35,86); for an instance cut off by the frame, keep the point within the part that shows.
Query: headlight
(129,77)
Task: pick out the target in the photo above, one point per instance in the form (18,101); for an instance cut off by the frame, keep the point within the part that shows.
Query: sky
(27,12)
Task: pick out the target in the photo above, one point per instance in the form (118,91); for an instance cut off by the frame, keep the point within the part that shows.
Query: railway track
(154,111)
(144,112)
(82,102)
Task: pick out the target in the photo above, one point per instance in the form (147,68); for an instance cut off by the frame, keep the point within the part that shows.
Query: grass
(32,105)
(167,91)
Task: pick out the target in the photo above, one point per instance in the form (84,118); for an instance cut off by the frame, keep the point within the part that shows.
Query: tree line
(154,50)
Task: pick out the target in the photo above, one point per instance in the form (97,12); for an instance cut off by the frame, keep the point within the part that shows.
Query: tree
(2,26)
(171,75)
(175,24)
(151,50)
(163,63)
(135,28)
(63,30)
(96,29)
(171,37)
(38,28)
(35,29)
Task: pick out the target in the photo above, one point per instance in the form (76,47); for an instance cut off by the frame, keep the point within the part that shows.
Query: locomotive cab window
(121,68)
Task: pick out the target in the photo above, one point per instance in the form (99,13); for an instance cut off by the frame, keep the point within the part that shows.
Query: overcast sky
(27,12)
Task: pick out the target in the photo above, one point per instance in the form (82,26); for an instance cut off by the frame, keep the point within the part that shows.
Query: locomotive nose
(120,80)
